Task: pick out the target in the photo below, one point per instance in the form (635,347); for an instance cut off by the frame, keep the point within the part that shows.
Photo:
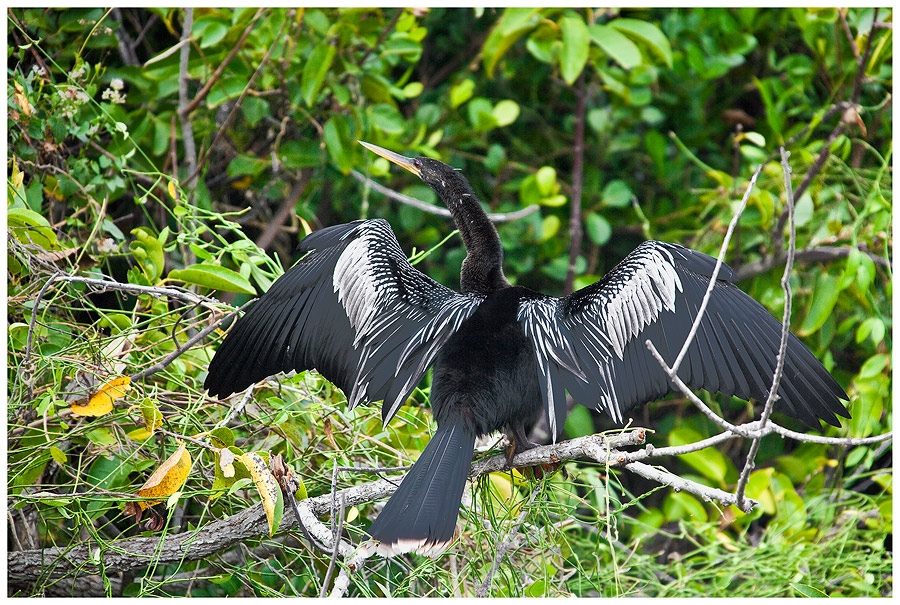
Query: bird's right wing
(592,342)
(355,310)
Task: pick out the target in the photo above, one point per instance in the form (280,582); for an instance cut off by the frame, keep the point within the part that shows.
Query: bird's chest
(490,339)
(487,370)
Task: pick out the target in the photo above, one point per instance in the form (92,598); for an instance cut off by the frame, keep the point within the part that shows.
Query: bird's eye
(417,163)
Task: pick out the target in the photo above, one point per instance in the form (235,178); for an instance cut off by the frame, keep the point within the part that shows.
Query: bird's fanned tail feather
(421,515)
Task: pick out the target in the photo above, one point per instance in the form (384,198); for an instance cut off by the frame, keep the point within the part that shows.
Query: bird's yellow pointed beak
(396,158)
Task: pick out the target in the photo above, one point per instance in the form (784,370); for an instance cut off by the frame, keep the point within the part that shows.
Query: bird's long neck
(482,269)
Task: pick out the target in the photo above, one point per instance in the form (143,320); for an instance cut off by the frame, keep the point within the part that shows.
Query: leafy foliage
(155,155)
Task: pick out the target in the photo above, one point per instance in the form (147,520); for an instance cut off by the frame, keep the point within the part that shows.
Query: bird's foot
(519,443)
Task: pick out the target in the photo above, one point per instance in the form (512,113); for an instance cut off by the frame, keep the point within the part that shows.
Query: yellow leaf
(267,486)
(307,229)
(243,183)
(172,191)
(101,402)
(21,98)
(168,478)
(140,434)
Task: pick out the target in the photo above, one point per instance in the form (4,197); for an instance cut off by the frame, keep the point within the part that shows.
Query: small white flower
(113,96)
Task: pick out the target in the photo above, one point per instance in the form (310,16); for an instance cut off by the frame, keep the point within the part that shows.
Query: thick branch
(137,553)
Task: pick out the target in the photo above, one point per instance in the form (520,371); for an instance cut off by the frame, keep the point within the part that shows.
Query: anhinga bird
(354,309)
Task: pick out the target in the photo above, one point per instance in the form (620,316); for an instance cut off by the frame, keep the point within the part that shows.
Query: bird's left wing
(354,309)
(592,342)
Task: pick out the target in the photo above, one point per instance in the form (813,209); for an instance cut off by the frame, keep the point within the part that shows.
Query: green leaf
(647,33)
(338,143)
(680,506)
(314,71)
(824,297)
(803,210)
(147,250)
(805,590)
(214,277)
(30,227)
(616,46)
(709,462)
(413,90)
(544,43)
(554,201)
(481,115)
(209,31)
(546,180)
(579,422)
(387,119)
(512,25)
(617,194)
(873,327)
(245,164)
(549,226)
(874,365)
(222,436)
(598,228)
(461,93)
(505,112)
(58,455)
(575,47)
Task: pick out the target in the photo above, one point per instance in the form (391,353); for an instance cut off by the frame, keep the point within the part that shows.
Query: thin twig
(769,406)
(664,477)
(438,210)
(336,550)
(157,291)
(507,543)
(181,349)
(31,324)
(715,273)
(813,254)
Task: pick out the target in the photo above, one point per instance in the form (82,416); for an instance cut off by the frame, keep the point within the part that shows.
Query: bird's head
(448,182)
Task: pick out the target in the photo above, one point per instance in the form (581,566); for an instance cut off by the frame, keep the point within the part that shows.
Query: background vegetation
(164,163)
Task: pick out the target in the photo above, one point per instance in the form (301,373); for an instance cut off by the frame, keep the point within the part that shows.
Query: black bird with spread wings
(355,310)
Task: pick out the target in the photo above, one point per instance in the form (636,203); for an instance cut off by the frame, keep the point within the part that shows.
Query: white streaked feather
(644,286)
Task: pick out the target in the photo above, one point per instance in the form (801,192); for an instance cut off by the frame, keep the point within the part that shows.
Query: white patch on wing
(354,282)
(594,335)
(637,298)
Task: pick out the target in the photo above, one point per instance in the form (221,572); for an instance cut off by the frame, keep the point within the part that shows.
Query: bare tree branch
(187,129)
(750,462)
(438,210)
(712,279)
(813,254)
